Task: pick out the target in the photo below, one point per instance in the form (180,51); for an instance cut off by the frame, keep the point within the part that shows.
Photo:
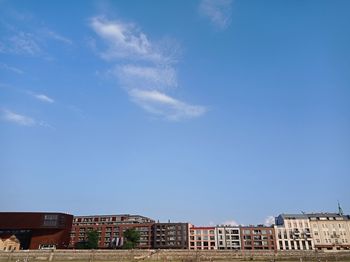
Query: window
(50,220)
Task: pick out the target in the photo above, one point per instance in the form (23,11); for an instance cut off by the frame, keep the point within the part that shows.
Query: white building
(202,238)
(228,237)
(293,232)
(331,231)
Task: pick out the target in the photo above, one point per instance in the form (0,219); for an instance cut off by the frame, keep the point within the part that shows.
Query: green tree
(92,239)
(131,238)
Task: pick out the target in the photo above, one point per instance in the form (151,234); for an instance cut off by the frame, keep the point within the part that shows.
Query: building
(37,230)
(170,235)
(228,237)
(145,231)
(10,243)
(106,225)
(330,231)
(293,232)
(257,238)
(202,238)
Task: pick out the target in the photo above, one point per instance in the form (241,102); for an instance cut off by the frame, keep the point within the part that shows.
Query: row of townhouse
(321,231)
(232,238)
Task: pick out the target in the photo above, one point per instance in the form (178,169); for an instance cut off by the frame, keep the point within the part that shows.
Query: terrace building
(228,237)
(106,225)
(202,238)
(258,238)
(293,232)
(330,231)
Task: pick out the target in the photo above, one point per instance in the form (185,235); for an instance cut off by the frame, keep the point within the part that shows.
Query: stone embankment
(168,255)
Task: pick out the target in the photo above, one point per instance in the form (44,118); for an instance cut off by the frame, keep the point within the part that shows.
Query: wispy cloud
(23,43)
(149,77)
(144,69)
(22,120)
(10,68)
(161,104)
(55,36)
(217,11)
(124,40)
(24,35)
(16,118)
(44,98)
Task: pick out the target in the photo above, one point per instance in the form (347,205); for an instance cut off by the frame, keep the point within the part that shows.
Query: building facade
(228,237)
(202,238)
(10,243)
(170,235)
(293,232)
(106,225)
(330,231)
(257,238)
(36,230)
(145,231)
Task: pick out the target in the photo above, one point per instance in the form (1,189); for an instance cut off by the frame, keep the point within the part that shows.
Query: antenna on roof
(340,210)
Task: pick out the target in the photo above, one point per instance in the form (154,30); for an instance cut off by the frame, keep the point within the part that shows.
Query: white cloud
(10,68)
(125,40)
(270,220)
(145,70)
(44,98)
(230,223)
(159,103)
(17,118)
(218,12)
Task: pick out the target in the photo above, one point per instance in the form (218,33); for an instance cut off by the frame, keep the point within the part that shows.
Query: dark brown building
(37,230)
(170,235)
(258,238)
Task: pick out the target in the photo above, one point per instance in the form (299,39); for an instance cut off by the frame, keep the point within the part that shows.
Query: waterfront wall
(168,255)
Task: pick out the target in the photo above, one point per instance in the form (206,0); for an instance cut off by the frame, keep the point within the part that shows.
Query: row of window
(202,243)
(229,231)
(295,245)
(257,232)
(199,238)
(202,232)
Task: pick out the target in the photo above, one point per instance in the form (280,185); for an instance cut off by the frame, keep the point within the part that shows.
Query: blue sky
(199,111)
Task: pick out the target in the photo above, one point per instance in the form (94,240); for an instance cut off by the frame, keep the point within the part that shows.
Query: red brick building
(108,227)
(258,238)
(37,230)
